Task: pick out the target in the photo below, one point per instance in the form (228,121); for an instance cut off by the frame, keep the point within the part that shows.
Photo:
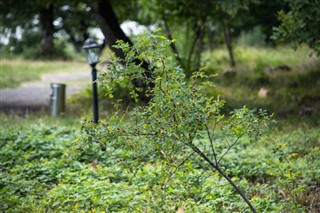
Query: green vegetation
(299,24)
(43,170)
(21,121)
(280,80)
(14,72)
(172,136)
(178,124)
(61,165)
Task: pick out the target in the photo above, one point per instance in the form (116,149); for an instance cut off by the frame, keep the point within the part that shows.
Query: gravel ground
(35,95)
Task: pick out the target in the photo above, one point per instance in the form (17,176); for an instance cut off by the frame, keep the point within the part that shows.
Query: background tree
(190,23)
(46,17)
(259,14)
(17,20)
(31,16)
(69,19)
(183,20)
(110,26)
(187,21)
(74,22)
(301,24)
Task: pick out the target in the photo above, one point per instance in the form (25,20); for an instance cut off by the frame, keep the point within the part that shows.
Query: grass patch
(23,121)
(282,81)
(14,72)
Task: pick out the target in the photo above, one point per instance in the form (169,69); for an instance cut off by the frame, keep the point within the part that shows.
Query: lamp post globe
(92,51)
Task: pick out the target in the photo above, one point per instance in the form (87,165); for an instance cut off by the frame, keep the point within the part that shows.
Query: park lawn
(47,167)
(42,118)
(15,71)
(280,80)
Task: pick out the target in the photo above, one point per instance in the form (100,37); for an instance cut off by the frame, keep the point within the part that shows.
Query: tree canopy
(301,24)
(195,25)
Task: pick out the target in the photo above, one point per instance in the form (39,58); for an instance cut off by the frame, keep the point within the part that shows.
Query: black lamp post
(92,50)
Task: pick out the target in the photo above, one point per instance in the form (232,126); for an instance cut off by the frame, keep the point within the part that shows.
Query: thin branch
(283,175)
(137,134)
(227,141)
(230,147)
(219,170)
(177,167)
(169,35)
(193,45)
(211,144)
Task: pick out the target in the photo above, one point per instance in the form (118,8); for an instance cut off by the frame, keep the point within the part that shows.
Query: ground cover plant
(45,168)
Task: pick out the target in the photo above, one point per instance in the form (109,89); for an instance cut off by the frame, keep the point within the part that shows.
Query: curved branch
(219,170)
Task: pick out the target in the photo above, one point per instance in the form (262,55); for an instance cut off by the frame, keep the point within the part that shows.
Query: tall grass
(251,58)
(290,79)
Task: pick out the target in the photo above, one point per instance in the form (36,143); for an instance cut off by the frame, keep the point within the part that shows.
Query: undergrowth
(43,170)
(47,167)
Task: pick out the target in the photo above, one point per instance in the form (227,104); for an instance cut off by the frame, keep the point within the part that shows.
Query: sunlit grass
(25,120)
(290,93)
(251,58)
(14,72)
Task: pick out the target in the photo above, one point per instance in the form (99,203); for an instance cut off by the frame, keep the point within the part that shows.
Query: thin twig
(230,147)
(176,168)
(282,174)
(219,170)
(211,144)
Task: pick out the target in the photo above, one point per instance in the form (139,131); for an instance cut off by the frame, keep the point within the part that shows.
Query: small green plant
(288,178)
(290,163)
(179,126)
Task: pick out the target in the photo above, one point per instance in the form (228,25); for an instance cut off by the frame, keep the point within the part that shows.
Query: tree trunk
(172,45)
(47,30)
(110,27)
(227,38)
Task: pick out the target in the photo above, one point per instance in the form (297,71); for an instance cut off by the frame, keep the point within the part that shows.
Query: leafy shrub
(179,124)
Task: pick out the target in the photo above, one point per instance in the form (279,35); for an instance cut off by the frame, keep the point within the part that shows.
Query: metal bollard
(57,99)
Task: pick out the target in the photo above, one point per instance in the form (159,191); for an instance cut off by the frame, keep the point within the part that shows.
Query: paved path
(36,95)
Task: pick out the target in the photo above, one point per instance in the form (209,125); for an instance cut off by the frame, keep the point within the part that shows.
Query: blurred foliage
(14,72)
(45,166)
(289,78)
(254,37)
(44,169)
(301,24)
(197,26)
(21,28)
